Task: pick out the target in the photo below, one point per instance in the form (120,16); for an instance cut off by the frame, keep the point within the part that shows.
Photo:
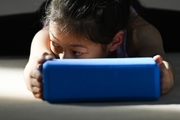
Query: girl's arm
(40,44)
(39,52)
(150,44)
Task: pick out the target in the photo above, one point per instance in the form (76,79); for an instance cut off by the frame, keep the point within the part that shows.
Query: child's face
(73,47)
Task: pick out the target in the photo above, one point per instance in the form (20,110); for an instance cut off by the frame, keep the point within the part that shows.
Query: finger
(35,83)
(44,58)
(36,76)
(61,55)
(37,92)
(39,95)
(158,59)
(49,57)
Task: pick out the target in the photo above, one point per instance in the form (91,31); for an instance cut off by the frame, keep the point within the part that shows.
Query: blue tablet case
(101,80)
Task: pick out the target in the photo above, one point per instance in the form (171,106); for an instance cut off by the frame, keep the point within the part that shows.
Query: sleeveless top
(121,50)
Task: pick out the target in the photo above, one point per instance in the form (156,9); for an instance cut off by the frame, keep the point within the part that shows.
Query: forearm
(40,44)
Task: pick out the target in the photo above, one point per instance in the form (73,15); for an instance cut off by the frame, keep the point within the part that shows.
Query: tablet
(101,80)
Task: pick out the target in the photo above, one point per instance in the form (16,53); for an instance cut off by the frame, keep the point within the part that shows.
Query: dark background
(18,29)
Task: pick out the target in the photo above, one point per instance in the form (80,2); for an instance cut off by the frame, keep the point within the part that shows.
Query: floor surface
(17,103)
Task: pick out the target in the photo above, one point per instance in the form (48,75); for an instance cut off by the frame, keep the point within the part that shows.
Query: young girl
(94,29)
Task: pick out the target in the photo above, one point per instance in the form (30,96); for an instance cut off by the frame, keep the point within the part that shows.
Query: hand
(166,74)
(32,74)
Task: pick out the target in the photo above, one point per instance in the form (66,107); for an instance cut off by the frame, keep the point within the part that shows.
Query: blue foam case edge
(100,80)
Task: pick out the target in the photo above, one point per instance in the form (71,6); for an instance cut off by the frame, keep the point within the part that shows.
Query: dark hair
(96,20)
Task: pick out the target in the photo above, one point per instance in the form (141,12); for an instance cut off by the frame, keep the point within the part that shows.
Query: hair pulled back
(96,20)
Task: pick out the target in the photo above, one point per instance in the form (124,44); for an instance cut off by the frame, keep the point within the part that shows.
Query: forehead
(58,32)
(55,28)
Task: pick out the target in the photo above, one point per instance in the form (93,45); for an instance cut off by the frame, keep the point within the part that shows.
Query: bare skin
(49,43)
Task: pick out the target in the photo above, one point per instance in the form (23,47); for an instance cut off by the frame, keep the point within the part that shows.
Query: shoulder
(144,37)
(43,33)
(140,28)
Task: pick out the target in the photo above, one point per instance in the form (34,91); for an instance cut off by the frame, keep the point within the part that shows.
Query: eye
(77,53)
(54,44)
(55,48)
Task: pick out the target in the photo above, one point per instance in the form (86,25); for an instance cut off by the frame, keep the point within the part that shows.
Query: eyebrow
(71,44)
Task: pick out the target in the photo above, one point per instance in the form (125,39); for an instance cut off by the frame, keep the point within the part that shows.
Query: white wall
(24,6)
(162,4)
(19,6)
